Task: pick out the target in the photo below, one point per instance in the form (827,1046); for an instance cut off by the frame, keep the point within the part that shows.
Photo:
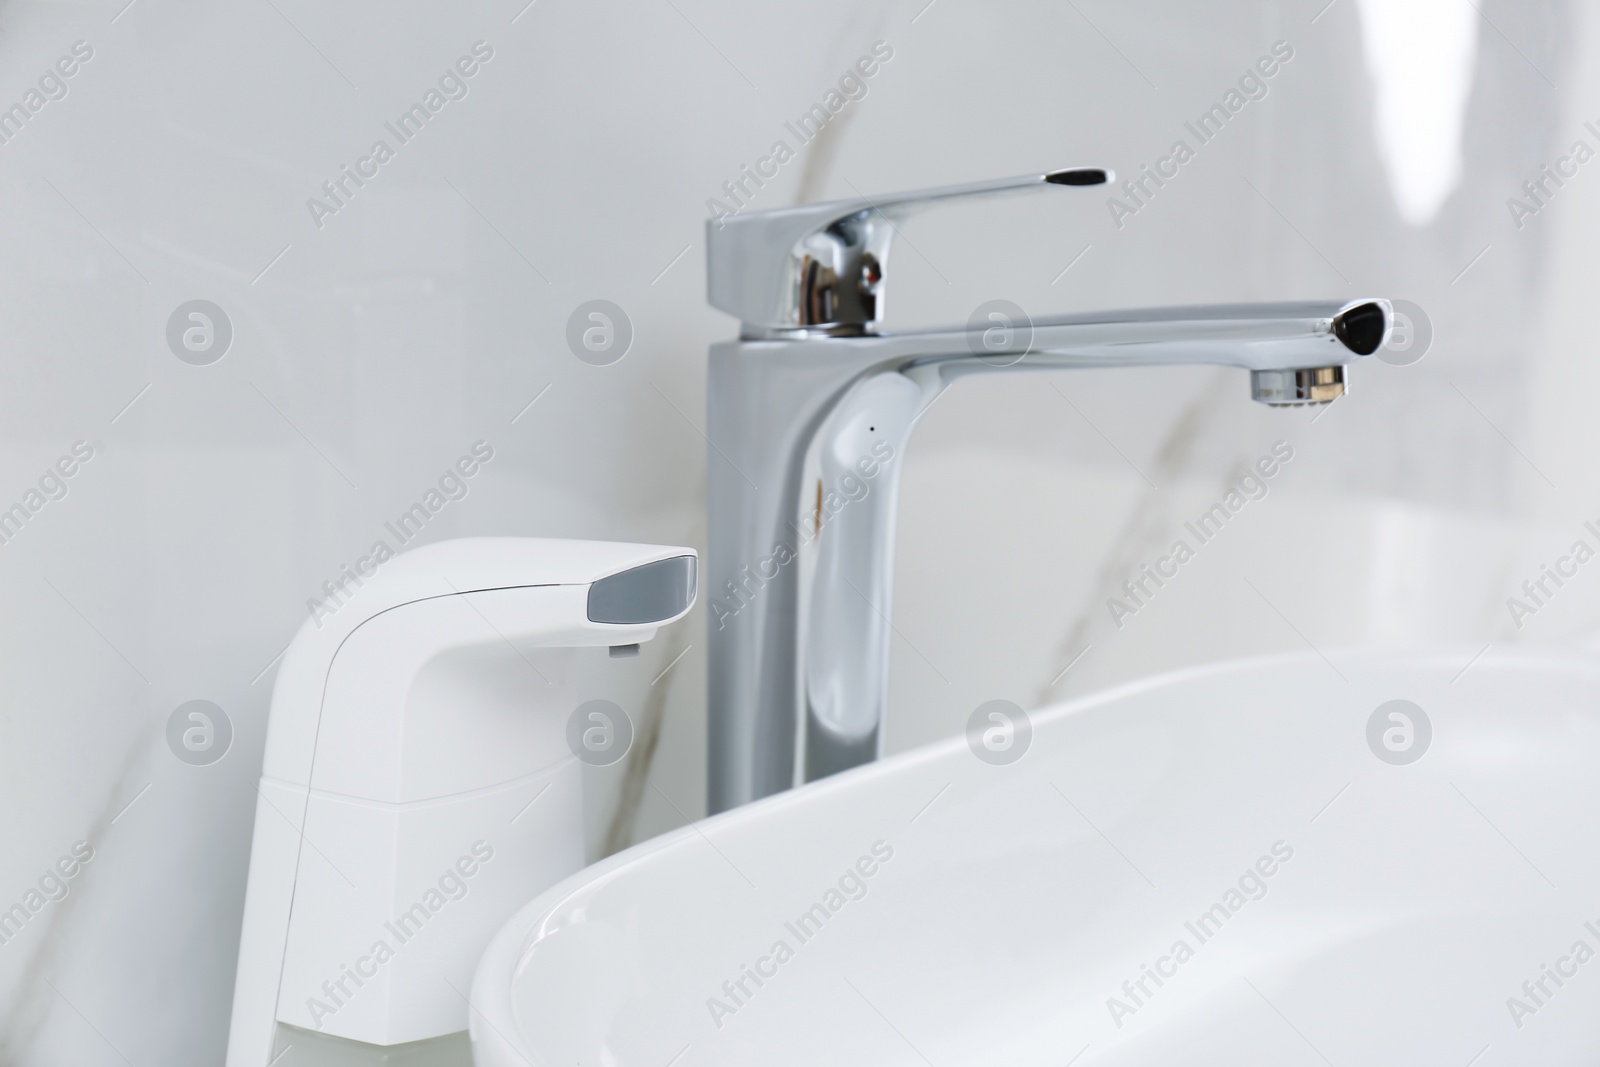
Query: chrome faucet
(813,403)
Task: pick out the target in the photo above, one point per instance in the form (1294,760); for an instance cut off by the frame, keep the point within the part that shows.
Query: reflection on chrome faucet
(833,496)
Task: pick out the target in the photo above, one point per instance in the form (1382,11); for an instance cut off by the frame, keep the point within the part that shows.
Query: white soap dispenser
(419,785)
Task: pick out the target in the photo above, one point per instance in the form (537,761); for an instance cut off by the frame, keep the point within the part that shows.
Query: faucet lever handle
(821,266)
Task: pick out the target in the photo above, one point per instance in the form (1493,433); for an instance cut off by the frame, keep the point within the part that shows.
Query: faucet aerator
(1290,388)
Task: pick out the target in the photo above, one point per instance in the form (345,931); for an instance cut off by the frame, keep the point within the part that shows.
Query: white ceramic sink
(1007,905)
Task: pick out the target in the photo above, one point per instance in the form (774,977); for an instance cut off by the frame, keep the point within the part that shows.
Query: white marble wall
(371,351)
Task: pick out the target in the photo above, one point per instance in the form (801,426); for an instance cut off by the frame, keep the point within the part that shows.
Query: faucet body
(808,419)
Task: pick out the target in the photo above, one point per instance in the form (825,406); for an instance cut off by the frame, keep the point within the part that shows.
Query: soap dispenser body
(419,786)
